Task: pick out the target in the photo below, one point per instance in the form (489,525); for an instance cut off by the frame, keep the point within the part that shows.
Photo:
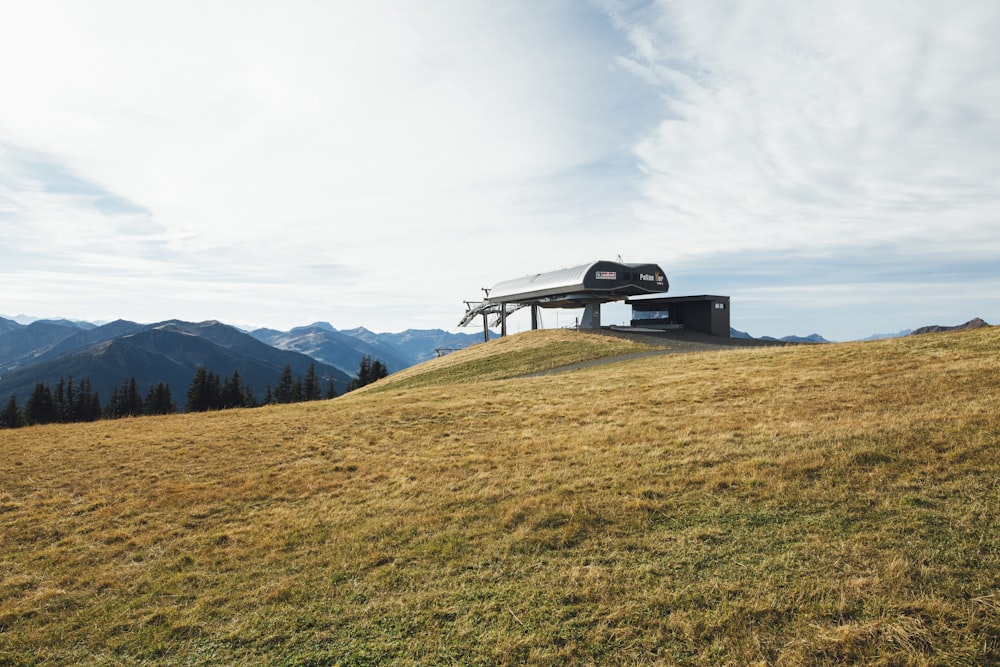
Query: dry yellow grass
(786,506)
(512,356)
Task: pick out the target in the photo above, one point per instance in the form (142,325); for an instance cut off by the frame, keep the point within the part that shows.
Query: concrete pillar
(591,316)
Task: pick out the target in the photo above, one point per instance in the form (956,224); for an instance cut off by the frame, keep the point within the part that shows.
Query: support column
(534,316)
(591,316)
(503,320)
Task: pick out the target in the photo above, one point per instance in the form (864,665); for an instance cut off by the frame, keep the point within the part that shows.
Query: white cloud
(804,125)
(221,116)
(359,134)
(383,159)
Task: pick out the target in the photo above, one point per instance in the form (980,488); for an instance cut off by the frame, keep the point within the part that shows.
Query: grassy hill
(784,506)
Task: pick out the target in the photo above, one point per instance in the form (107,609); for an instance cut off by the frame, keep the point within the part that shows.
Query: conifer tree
(159,400)
(111,409)
(331,391)
(85,405)
(74,403)
(197,393)
(226,393)
(311,389)
(213,391)
(249,400)
(369,371)
(40,408)
(11,417)
(125,401)
(62,409)
(286,387)
(364,373)
(69,408)
(232,391)
(94,410)
(133,401)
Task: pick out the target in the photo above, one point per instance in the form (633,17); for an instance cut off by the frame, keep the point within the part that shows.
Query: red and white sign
(607,275)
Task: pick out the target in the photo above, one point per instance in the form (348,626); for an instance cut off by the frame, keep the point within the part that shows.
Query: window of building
(651,315)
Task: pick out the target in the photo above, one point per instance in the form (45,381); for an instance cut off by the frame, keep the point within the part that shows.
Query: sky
(833,167)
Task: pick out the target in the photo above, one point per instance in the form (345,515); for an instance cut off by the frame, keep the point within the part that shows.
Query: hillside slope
(511,357)
(791,505)
(22,345)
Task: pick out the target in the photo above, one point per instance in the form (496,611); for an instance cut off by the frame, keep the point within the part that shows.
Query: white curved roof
(557,281)
(602,280)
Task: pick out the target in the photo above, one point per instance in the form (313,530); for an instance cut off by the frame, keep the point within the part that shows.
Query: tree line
(71,401)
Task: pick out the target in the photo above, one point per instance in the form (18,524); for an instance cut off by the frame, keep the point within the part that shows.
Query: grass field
(776,506)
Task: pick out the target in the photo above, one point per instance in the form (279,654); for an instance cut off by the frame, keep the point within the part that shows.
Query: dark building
(706,313)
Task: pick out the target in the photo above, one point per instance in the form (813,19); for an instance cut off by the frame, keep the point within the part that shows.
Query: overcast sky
(834,167)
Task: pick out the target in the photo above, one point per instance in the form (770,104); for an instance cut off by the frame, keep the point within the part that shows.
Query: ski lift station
(587,286)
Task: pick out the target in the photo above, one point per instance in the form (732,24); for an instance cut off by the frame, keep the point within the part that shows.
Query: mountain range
(344,349)
(812,338)
(168,352)
(171,352)
(974,323)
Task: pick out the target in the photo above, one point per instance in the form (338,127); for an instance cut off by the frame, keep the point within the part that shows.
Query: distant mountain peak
(344,348)
(882,336)
(311,329)
(974,323)
(811,338)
